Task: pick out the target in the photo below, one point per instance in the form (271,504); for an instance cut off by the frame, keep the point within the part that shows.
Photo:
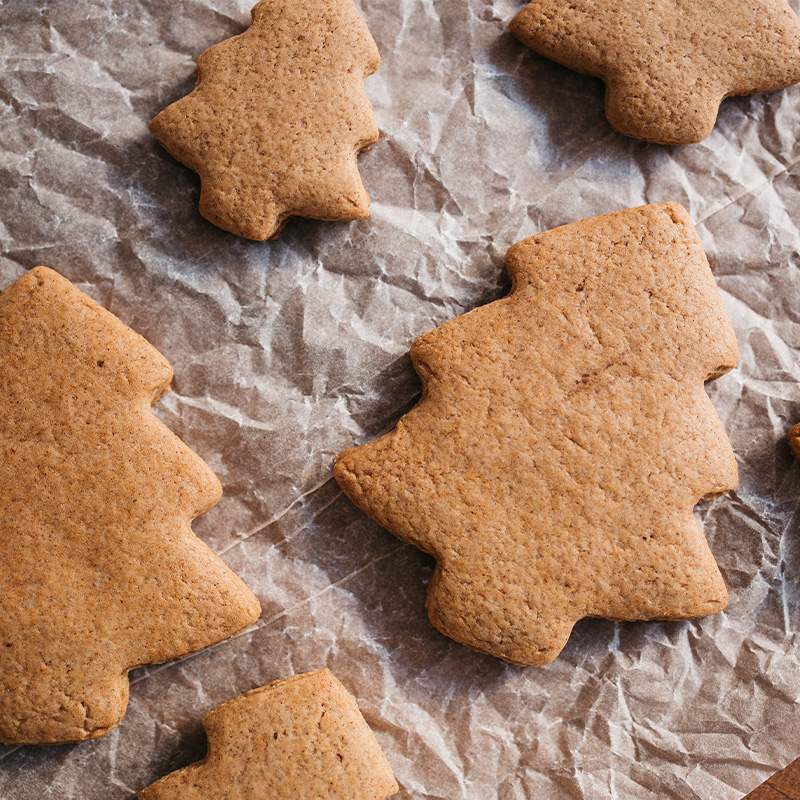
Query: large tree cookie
(667,65)
(277,118)
(99,569)
(302,738)
(563,439)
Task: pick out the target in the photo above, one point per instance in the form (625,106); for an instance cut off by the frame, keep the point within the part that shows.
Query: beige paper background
(287,352)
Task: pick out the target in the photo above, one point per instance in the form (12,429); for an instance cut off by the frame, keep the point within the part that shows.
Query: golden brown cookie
(668,65)
(302,738)
(563,439)
(794,439)
(277,118)
(99,569)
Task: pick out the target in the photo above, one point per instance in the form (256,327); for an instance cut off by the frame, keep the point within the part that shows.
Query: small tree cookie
(563,439)
(99,569)
(302,737)
(668,65)
(277,118)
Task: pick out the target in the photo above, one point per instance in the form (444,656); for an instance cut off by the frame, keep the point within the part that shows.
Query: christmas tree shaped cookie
(277,118)
(302,738)
(563,439)
(99,569)
(668,65)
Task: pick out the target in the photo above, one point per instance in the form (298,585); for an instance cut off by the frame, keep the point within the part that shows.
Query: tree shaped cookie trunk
(99,569)
(563,439)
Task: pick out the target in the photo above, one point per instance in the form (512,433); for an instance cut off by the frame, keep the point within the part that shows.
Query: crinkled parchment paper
(287,352)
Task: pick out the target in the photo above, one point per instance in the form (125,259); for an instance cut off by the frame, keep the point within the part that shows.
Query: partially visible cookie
(794,439)
(302,738)
(277,118)
(99,569)
(563,438)
(668,65)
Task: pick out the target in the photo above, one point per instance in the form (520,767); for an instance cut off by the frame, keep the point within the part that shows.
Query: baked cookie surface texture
(668,64)
(277,118)
(302,738)
(562,440)
(99,569)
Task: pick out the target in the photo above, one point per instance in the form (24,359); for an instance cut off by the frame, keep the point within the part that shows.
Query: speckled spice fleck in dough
(563,439)
(668,64)
(277,118)
(302,738)
(99,569)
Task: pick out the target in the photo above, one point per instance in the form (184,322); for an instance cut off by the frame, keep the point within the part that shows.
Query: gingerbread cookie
(563,439)
(277,118)
(302,738)
(668,65)
(794,439)
(99,569)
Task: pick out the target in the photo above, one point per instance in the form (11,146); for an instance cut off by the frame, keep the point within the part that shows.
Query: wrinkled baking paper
(287,352)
